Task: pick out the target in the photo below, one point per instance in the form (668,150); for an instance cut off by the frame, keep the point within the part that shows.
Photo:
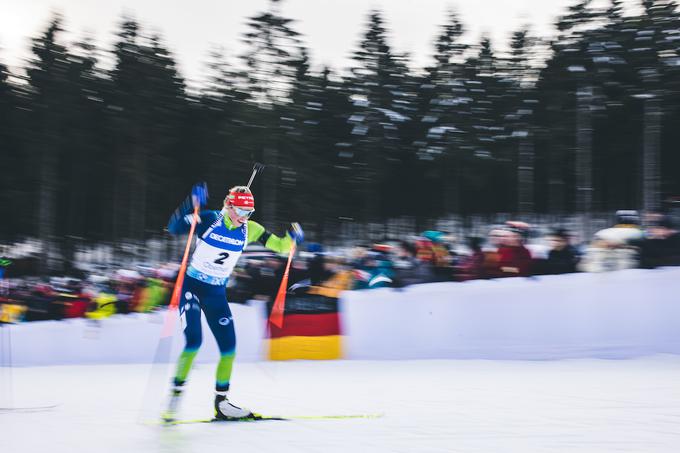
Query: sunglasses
(243,212)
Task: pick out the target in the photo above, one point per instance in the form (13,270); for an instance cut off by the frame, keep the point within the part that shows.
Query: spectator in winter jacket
(562,257)
(435,248)
(408,269)
(471,267)
(339,278)
(614,248)
(375,272)
(661,246)
(76,306)
(490,267)
(39,303)
(317,269)
(152,295)
(626,232)
(514,260)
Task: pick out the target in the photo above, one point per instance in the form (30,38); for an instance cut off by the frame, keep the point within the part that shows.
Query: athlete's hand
(199,194)
(296,233)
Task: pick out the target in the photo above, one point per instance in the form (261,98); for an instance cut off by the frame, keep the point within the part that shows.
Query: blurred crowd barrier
(509,249)
(620,314)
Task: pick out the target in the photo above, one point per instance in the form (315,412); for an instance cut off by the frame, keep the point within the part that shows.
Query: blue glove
(296,233)
(199,194)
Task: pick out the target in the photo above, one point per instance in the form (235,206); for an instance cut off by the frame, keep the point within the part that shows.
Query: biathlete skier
(221,238)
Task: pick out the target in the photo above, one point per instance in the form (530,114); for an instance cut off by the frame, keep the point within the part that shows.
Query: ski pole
(257,168)
(164,347)
(174,300)
(276,316)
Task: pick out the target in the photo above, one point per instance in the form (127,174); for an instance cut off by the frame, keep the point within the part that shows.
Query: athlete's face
(239,216)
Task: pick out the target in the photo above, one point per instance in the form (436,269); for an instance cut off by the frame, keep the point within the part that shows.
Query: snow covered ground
(582,405)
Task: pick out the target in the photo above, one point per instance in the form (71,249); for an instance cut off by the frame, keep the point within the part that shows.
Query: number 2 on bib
(223,256)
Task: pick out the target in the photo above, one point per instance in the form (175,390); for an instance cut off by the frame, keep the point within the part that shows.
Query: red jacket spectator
(77,307)
(514,260)
(472,266)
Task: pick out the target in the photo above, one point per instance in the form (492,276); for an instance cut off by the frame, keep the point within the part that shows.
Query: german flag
(310,331)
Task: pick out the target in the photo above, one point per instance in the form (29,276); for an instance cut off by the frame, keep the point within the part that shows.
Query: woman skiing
(221,238)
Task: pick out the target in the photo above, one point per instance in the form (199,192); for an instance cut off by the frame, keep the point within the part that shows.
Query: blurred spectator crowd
(513,249)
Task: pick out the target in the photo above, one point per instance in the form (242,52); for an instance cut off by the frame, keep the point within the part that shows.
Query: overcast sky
(330,28)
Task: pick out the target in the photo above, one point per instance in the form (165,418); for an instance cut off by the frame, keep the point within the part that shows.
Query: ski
(28,408)
(261,417)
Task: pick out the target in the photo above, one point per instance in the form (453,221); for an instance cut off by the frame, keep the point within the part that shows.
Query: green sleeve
(257,232)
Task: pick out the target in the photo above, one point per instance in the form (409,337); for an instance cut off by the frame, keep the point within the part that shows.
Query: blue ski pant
(197,297)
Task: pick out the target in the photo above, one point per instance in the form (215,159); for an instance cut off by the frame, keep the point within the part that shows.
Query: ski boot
(170,414)
(224,410)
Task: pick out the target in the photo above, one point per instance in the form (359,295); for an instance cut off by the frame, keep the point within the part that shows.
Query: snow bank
(608,315)
(131,338)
